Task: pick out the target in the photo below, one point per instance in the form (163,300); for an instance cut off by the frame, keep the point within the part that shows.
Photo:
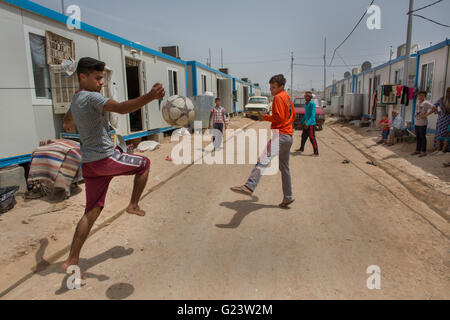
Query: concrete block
(13,176)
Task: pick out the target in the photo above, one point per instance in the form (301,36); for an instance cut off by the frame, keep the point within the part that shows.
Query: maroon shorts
(98,174)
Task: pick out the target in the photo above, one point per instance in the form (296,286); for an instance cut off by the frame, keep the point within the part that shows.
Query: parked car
(299,106)
(257,105)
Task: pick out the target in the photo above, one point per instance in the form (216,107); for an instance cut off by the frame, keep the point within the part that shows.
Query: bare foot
(135,210)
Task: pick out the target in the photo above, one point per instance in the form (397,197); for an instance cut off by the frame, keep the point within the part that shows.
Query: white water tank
(336,103)
(347,113)
(357,105)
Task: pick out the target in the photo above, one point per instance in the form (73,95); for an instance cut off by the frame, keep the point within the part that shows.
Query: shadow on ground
(243,208)
(44,268)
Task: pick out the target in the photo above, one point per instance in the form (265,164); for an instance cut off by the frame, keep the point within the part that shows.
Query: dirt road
(201,241)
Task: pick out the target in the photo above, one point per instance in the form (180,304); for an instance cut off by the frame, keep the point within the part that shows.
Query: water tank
(202,108)
(357,104)
(353,105)
(347,112)
(336,103)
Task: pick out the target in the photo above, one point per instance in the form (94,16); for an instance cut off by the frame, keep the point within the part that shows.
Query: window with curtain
(41,72)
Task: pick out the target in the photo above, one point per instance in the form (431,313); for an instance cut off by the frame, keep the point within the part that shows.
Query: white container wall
(30,110)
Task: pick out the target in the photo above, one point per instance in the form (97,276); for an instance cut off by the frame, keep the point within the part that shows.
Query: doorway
(218,88)
(246,95)
(134,91)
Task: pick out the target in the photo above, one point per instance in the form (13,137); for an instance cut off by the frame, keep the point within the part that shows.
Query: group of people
(395,126)
(102,161)
(391,128)
(442,136)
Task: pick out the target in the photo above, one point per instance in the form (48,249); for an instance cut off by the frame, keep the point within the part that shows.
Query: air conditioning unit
(401,50)
(172,51)
(244,79)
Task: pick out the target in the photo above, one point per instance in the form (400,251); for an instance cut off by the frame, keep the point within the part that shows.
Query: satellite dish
(366,66)
(347,75)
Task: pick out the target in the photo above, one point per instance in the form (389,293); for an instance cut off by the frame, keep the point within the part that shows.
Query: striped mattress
(56,165)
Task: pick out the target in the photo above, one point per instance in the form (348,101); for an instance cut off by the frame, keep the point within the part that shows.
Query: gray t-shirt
(422,109)
(92,124)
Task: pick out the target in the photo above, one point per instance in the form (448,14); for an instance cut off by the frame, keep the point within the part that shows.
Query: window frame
(423,86)
(174,83)
(35,100)
(398,76)
(205,82)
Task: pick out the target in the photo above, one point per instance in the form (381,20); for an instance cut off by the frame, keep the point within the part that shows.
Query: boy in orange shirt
(282,118)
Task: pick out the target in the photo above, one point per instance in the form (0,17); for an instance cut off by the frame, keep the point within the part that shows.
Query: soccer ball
(178,111)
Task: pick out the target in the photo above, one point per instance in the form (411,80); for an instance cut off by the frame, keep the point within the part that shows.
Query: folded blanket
(56,165)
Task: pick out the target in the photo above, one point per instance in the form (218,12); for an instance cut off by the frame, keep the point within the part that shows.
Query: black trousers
(309,132)
(218,126)
(421,135)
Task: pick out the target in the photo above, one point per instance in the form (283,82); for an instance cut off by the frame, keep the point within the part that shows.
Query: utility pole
(324,68)
(408,51)
(221,57)
(292,74)
(63,8)
(390,59)
(209,57)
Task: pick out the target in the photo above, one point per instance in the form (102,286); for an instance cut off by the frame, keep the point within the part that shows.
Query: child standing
(217,117)
(385,125)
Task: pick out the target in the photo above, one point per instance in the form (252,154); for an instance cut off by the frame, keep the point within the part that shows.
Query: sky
(258,36)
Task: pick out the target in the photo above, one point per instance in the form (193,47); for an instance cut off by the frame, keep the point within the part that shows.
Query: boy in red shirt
(385,125)
(282,118)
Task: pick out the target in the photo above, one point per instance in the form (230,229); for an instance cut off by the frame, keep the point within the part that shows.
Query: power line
(364,14)
(426,6)
(441,24)
(342,59)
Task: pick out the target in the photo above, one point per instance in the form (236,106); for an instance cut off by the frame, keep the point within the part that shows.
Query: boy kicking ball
(101,162)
